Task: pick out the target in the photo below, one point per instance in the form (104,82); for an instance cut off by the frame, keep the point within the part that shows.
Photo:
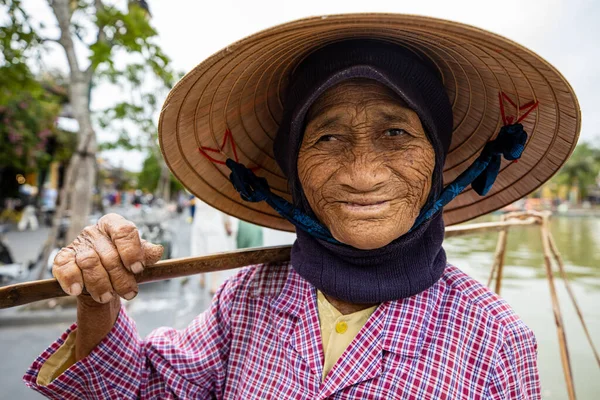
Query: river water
(526,288)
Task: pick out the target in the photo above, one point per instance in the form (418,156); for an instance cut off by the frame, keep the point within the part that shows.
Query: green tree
(92,34)
(581,170)
(150,177)
(140,109)
(28,126)
(29,105)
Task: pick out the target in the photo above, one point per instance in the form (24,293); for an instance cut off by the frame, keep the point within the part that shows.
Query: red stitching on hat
(228,135)
(507,120)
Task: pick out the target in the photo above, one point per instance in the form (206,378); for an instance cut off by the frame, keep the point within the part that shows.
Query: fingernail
(105,298)
(137,267)
(130,295)
(75,289)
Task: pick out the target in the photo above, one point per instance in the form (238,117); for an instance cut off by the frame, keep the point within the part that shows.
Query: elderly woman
(385,119)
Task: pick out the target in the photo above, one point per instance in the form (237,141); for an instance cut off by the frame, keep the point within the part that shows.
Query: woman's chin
(366,240)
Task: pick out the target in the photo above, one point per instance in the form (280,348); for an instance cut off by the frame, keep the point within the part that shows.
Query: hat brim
(241,89)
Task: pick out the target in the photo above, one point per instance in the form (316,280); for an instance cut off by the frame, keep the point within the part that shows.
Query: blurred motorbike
(10,271)
(158,233)
(153,228)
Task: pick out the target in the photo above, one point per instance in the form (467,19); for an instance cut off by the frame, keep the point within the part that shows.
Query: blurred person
(181,201)
(212,232)
(49,197)
(138,198)
(149,199)
(366,108)
(48,206)
(273,237)
(192,206)
(110,197)
(248,235)
(28,217)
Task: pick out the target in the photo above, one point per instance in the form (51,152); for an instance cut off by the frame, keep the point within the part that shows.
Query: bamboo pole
(24,293)
(499,257)
(560,331)
(492,274)
(561,268)
(28,292)
(467,229)
(517,218)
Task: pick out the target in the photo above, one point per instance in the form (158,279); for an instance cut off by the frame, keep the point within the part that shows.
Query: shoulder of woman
(472,296)
(260,280)
(268,280)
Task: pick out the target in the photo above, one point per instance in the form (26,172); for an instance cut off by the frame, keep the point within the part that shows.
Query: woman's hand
(103,259)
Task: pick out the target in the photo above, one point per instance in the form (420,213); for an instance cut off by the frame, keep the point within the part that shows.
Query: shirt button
(341,327)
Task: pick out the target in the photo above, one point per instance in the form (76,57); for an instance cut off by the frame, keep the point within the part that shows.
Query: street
(25,334)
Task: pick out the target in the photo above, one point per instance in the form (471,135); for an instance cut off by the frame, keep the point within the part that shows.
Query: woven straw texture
(241,89)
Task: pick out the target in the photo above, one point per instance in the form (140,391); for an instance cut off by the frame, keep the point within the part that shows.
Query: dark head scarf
(413,262)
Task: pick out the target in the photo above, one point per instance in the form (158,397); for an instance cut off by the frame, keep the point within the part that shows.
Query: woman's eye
(394,132)
(326,138)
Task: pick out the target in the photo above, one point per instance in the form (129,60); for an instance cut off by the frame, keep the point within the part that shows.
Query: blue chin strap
(481,175)
(254,189)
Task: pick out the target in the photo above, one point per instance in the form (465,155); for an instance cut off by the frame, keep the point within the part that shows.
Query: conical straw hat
(230,105)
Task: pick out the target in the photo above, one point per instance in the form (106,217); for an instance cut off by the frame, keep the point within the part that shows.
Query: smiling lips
(366,207)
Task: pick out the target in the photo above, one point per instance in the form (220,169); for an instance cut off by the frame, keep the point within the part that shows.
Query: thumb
(152,252)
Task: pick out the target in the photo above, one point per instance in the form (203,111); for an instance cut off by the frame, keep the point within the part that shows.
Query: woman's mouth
(366,207)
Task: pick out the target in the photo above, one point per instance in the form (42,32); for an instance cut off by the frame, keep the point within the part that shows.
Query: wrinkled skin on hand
(103,259)
(365,163)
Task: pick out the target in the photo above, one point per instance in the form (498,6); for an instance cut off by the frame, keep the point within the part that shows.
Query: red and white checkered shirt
(260,339)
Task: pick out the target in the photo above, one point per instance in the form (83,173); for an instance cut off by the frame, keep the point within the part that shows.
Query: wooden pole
(560,330)
(467,229)
(563,274)
(518,218)
(24,293)
(499,257)
(492,274)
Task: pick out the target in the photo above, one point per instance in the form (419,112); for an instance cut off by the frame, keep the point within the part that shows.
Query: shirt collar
(404,323)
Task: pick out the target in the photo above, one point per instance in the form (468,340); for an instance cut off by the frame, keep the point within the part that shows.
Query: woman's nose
(364,171)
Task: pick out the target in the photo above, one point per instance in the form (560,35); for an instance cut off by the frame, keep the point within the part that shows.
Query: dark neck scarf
(403,268)
(413,262)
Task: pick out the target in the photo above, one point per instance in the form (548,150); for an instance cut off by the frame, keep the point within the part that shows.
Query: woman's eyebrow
(328,121)
(387,116)
(334,119)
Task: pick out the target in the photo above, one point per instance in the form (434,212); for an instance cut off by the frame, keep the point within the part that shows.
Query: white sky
(565,32)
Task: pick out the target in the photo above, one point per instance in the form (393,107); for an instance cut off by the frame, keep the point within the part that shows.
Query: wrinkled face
(365,163)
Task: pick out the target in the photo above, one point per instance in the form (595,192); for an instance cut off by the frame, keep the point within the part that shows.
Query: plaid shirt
(260,339)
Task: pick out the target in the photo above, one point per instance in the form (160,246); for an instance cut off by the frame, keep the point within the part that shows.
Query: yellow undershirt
(338,330)
(58,362)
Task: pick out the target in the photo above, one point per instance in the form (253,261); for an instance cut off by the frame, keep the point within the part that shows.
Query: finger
(152,252)
(126,238)
(95,277)
(123,282)
(66,271)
